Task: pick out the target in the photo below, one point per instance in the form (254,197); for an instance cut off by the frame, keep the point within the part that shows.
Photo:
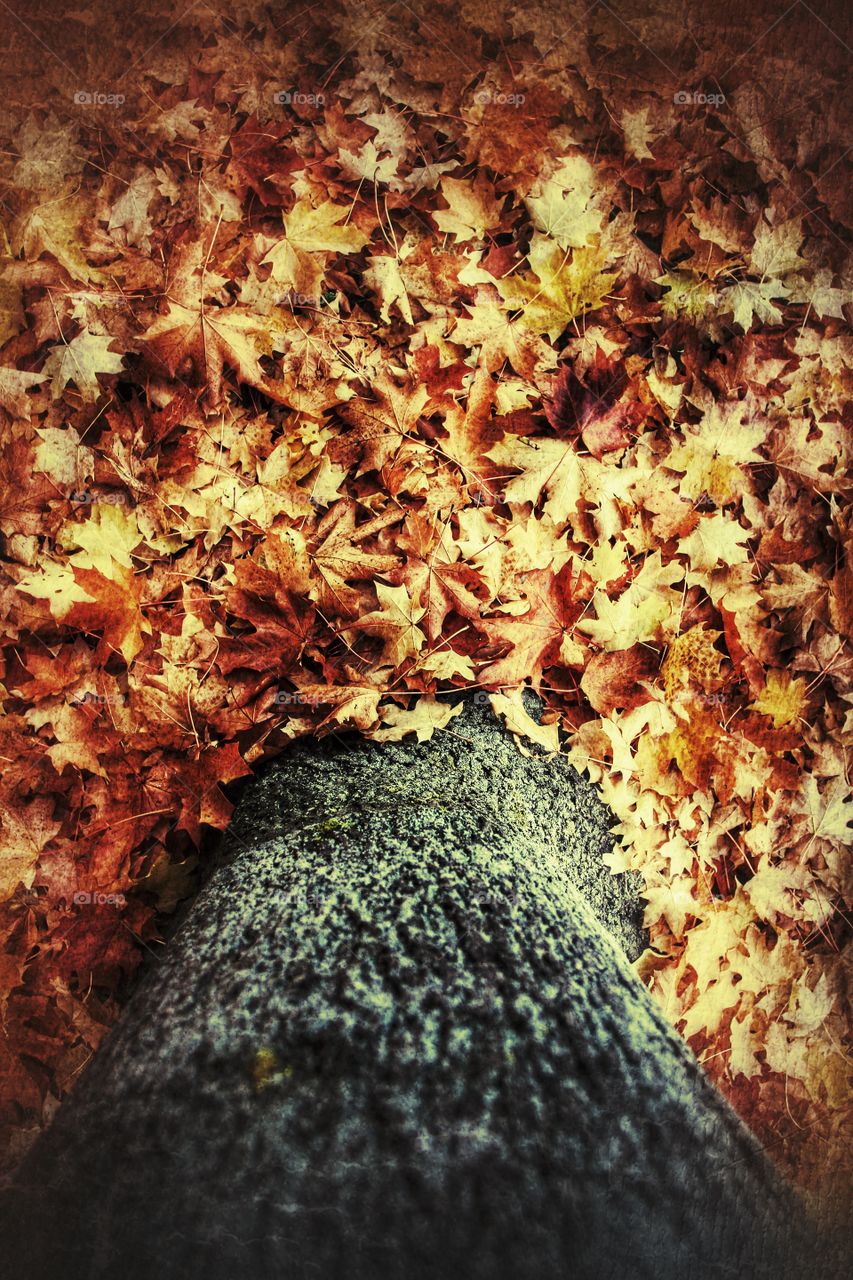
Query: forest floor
(354,353)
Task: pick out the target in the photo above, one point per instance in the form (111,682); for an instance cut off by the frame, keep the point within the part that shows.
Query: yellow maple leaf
(62,455)
(427,715)
(473,208)
(55,227)
(783,698)
(641,613)
(517,720)
(692,658)
(552,467)
(717,539)
(558,287)
(715,452)
(211,338)
(567,206)
(106,539)
(15,388)
(383,276)
(80,361)
(55,583)
(325,228)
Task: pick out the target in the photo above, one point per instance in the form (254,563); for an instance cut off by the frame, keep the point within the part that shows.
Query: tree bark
(397,1035)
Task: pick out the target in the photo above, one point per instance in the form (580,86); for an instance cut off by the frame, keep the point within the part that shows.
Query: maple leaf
(819,293)
(106,539)
(24,833)
(818,453)
(367,164)
(717,539)
(715,450)
(720,998)
(339,558)
(567,207)
(775,252)
(472,207)
(813,1005)
(692,659)
(801,595)
(671,900)
(747,300)
(560,285)
(641,613)
(311,236)
(534,637)
(15,387)
(395,623)
(615,679)
(841,593)
(195,783)
(112,606)
(56,584)
(521,724)
(98,947)
(384,277)
(824,815)
(721,222)
(553,467)
(434,574)
(199,343)
(50,152)
(325,228)
(690,297)
(62,455)
(427,715)
(501,339)
(594,405)
(80,361)
(378,428)
(130,211)
(353,706)
(783,698)
(272,596)
(54,227)
(776,890)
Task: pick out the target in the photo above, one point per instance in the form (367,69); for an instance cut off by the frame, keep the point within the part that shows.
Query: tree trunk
(397,1036)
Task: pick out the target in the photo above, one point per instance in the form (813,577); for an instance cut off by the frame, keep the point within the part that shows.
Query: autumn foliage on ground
(358,354)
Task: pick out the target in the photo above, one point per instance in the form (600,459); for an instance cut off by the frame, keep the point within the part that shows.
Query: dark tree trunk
(397,1036)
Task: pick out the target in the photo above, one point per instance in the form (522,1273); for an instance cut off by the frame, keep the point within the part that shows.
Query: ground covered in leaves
(357,352)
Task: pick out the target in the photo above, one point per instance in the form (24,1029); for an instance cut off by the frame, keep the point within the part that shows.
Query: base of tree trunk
(397,1036)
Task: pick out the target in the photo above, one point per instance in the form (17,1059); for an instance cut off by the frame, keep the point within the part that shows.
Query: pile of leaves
(355,356)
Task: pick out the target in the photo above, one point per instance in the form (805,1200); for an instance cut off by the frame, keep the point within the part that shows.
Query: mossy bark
(398,1036)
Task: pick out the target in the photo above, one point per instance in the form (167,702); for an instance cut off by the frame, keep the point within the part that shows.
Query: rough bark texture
(392,1039)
